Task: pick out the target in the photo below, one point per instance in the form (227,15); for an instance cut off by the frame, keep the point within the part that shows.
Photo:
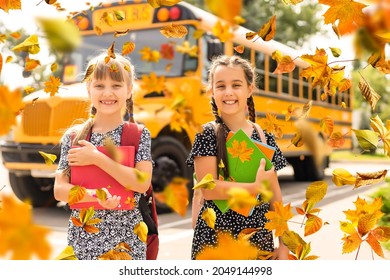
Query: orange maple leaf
(347,12)
(271,125)
(153,83)
(240,150)
(52,85)
(10,106)
(7,5)
(278,218)
(19,235)
(86,221)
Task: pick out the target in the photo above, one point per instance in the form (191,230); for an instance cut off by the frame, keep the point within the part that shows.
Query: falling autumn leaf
(278,218)
(222,31)
(364,179)
(141,230)
(29,45)
(241,201)
(76,193)
(127,48)
(153,83)
(159,3)
(52,85)
(86,221)
(88,73)
(327,125)
(240,49)
(209,216)
(49,158)
(348,13)
(238,249)
(175,195)
(7,5)
(341,177)
(174,31)
(367,139)
(186,48)
(383,131)
(285,63)
(267,31)
(67,254)
(20,238)
(149,55)
(206,183)
(227,10)
(119,252)
(368,93)
(10,106)
(336,140)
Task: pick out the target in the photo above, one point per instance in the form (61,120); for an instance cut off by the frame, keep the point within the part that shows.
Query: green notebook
(243,157)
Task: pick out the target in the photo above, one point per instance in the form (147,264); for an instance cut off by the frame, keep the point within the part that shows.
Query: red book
(93,177)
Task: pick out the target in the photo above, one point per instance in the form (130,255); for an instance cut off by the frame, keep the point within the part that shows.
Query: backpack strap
(131,134)
(259,131)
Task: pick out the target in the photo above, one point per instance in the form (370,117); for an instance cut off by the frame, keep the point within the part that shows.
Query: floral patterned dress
(117,225)
(205,144)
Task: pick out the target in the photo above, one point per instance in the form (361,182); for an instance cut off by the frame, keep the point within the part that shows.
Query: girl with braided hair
(109,85)
(231,82)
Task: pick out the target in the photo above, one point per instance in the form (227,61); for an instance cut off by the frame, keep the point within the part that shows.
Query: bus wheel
(169,156)
(38,191)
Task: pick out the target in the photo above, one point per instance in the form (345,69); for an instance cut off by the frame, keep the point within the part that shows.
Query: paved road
(176,232)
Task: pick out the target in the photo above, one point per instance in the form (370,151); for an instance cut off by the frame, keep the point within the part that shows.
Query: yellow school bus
(174,109)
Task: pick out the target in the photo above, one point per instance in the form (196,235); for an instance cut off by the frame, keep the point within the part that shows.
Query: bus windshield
(171,63)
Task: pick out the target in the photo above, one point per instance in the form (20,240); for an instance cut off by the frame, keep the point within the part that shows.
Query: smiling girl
(109,88)
(232,83)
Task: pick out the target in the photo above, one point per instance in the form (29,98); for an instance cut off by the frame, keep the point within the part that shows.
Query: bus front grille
(41,119)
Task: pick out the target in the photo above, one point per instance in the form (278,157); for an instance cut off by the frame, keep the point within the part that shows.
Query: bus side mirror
(214,48)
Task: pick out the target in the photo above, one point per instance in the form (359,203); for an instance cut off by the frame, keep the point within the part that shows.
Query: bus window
(151,38)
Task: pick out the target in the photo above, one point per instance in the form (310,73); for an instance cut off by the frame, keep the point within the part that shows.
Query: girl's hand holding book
(86,154)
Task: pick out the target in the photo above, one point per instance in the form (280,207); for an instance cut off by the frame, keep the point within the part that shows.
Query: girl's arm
(127,176)
(208,164)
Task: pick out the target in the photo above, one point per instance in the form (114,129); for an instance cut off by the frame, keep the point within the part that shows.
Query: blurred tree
(381,84)
(294,24)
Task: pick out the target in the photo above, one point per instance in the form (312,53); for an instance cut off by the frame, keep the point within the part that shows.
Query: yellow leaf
(327,125)
(141,230)
(341,177)
(20,238)
(88,73)
(29,45)
(209,216)
(49,158)
(228,9)
(28,89)
(127,48)
(222,31)
(206,183)
(76,193)
(54,67)
(186,48)
(198,33)
(101,194)
(67,254)
(351,243)
(52,85)
(335,51)
(240,200)
(141,176)
(312,225)
(149,55)
(267,31)
(159,3)
(316,191)
(62,35)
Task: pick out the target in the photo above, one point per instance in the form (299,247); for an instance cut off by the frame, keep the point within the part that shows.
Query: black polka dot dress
(117,225)
(204,236)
